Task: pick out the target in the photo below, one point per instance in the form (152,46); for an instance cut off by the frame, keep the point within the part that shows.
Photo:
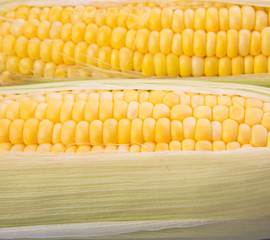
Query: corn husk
(165,195)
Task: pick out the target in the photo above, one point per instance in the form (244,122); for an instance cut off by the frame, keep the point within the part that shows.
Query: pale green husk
(192,195)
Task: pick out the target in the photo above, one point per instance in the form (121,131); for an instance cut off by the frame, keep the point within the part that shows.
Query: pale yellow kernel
(100,17)
(197,66)
(199,43)
(124,131)
(180,112)
(219,146)
(43,30)
(58,148)
(188,145)
(136,134)
(211,66)
(4,130)
(260,64)
(166,17)
(248,65)
(216,130)
(156,96)
(211,22)
(266,120)
(237,65)
(8,44)
(13,110)
(66,32)
(104,57)
(237,114)
(141,41)
(149,126)
(66,14)
(131,95)
(43,15)
(68,132)
(110,129)
(253,116)
(135,148)
(44,148)
(187,42)
(221,44)
(220,113)
(253,103)
(120,110)
(161,111)
(162,133)
(199,18)
(175,146)
(148,147)
(53,111)
(155,19)
(203,112)
(197,100)
(55,32)
(161,147)
(5,147)
(171,99)
(40,112)
(265,35)
(17,148)
(176,44)
(248,17)
(210,101)
(118,37)
(203,130)
(223,14)
(172,65)
(148,68)
(203,146)
(16,131)
(77,14)
(232,38)
(125,59)
(255,43)
(224,100)
(229,130)
(31,148)
(238,101)
(144,96)
(130,39)
(132,110)
(176,130)
(55,13)
(235,17)
(258,136)
(17,27)
(166,37)
(133,19)
(233,146)
(78,32)
(178,21)
(210,44)
(189,125)
(185,66)
(160,64)
(261,20)
(92,55)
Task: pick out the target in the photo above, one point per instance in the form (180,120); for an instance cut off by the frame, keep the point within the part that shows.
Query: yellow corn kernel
(199,19)
(261,20)
(248,17)
(223,14)
(255,43)
(229,130)
(210,44)
(220,113)
(187,42)
(219,146)
(185,66)
(188,145)
(237,65)
(253,116)
(211,23)
(248,65)
(235,17)
(260,64)
(210,66)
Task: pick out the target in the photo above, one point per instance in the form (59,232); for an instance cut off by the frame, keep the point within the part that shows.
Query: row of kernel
(210,19)
(198,43)
(186,145)
(137,131)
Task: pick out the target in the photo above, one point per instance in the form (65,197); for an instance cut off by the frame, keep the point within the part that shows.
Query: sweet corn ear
(134,120)
(162,39)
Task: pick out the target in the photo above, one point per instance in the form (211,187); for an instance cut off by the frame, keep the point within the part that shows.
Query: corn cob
(146,38)
(132,121)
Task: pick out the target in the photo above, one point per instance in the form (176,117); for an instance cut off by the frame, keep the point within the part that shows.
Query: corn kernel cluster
(146,38)
(131,121)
